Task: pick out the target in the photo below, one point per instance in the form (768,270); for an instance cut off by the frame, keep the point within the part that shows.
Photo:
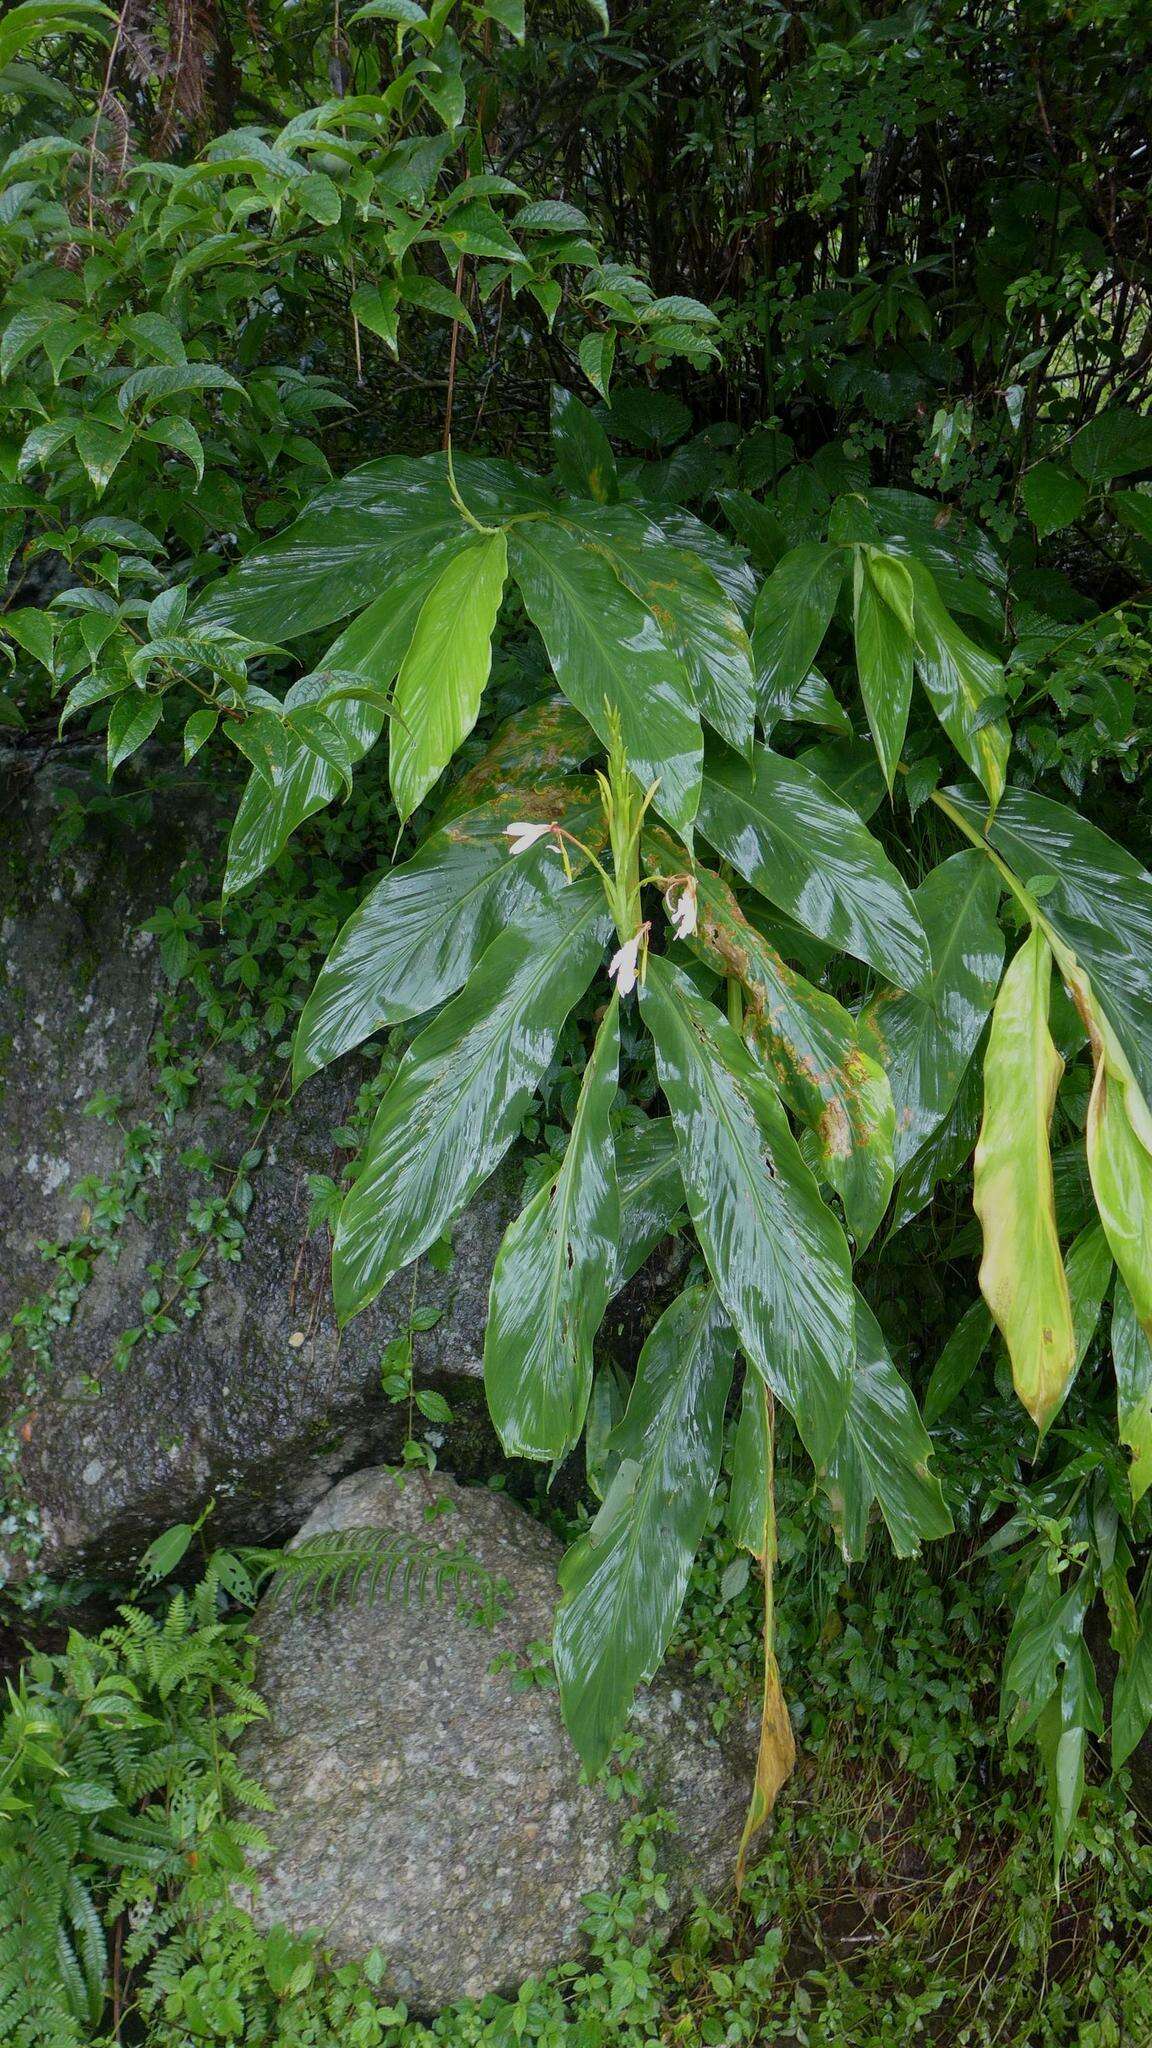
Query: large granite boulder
(259,1402)
(425,1805)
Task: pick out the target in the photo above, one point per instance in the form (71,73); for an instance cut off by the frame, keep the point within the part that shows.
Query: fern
(349,1564)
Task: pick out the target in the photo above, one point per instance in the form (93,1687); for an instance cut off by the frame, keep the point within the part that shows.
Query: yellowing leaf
(1119,1143)
(752,1513)
(1022,1274)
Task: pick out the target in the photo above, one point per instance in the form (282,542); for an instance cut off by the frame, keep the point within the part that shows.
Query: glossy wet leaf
(696,617)
(882,1456)
(810,854)
(415,937)
(582,451)
(1118,1139)
(1132,1364)
(603,645)
(883,652)
(1022,1275)
(793,613)
(1097,898)
(962,682)
(809,1044)
(445,669)
(461,1092)
(1132,1700)
(622,1585)
(553,1277)
(926,1040)
(651,1192)
(541,744)
(1088,1264)
(777,1254)
(966,566)
(373,647)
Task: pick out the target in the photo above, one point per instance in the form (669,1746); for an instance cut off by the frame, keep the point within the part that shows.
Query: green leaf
(809,1044)
(420,930)
(793,613)
(199,728)
(373,647)
(1022,1275)
(597,353)
(1053,498)
(132,719)
(777,1254)
(553,1278)
(1089,1268)
(1099,901)
(925,1041)
(1116,443)
(958,1361)
(882,1455)
(651,1192)
(882,609)
(960,680)
(318,197)
(582,451)
(174,380)
(968,570)
(443,674)
(623,1584)
(1132,1699)
(376,308)
(1132,1362)
(603,645)
(694,614)
(810,855)
(462,1090)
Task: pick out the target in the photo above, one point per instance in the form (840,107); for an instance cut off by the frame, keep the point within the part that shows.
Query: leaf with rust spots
(926,1040)
(541,744)
(1022,1275)
(809,1044)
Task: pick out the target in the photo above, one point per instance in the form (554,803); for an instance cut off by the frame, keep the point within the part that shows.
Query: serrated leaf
(553,1278)
(1022,1275)
(810,855)
(133,719)
(462,1090)
(445,669)
(623,1584)
(776,1253)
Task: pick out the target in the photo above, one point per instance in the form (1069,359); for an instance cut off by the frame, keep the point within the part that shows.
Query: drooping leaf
(777,1254)
(132,719)
(553,1277)
(925,1040)
(1132,1363)
(1119,1146)
(1022,1275)
(461,1091)
(810,1045)
(418,933)
(1097,898)
(967,567)
(1053,497)
(1088,1264)
(695,615)
(1132,1699)
(623,1584)
(882,622)
(882,1456)
(812,856)
(752,1523)
(445,669)
(962,682)
(605,647)
(793,613)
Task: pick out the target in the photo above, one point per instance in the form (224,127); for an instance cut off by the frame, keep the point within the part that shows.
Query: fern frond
(350,1564)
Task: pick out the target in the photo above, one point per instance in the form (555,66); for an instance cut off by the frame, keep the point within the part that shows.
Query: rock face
(259,1402)
(424,1805)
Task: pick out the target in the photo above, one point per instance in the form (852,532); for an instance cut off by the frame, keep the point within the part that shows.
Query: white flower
(624,963)
(683,911)
(523,836)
